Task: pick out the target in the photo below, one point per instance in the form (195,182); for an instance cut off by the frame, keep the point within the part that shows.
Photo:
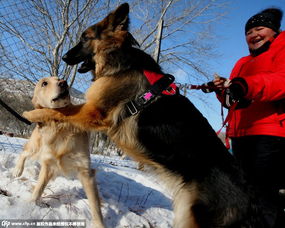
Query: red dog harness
(153,77)
(161,84)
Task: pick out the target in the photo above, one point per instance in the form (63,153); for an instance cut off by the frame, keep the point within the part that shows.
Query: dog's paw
(17,172)
(34,115)
(27,115)
(42,115)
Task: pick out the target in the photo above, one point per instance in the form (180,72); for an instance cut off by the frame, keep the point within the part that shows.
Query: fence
(31,47)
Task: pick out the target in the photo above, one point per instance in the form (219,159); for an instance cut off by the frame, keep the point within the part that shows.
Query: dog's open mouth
(87,65)
(62,95)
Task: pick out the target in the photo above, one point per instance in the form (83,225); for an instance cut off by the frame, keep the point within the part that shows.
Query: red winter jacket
(265,76)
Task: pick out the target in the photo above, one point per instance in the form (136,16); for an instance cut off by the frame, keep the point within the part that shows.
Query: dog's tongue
(86,66)
(83,69)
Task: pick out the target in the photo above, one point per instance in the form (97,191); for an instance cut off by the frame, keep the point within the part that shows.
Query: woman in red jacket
(255,97)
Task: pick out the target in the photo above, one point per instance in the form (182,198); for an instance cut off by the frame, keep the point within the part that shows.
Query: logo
(5,223)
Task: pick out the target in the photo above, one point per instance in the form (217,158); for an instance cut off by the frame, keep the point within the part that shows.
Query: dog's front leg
(44,177)
(19,168)
(86,117)
(43,115)
(30,148)
(61,114)
(87,179)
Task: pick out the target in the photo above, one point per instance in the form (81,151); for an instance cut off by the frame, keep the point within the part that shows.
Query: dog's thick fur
(59,146)
(170,134)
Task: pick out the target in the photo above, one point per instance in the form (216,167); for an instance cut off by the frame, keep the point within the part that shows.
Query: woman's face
(257,36)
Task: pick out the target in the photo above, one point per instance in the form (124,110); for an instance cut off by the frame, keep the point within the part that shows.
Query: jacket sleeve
(268,86)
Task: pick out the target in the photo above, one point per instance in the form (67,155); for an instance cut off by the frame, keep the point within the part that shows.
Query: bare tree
(43,31)
(178,32)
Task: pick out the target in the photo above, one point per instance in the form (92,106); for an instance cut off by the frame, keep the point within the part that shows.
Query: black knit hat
(270,18)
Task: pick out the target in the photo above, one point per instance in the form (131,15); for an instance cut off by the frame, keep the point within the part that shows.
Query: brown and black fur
(170,134)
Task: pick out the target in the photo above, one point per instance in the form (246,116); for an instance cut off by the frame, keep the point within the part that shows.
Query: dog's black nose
(62,84)
(64,58)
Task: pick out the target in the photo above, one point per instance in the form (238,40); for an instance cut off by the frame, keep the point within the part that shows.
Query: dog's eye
(44,84)
(83,39)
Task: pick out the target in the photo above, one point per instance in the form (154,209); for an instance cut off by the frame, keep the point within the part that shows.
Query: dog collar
(153,77)
(161,84)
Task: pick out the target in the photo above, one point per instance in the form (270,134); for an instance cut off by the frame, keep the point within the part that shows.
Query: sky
(231,46)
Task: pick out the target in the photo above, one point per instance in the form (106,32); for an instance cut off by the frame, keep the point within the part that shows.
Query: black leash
(14,113)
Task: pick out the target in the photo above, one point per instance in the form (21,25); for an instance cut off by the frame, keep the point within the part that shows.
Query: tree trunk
(158,40)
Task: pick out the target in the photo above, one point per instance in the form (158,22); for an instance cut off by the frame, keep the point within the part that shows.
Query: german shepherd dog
(209,190)
(60,147)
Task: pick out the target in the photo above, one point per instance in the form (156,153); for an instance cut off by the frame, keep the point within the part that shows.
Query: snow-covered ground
(130,197)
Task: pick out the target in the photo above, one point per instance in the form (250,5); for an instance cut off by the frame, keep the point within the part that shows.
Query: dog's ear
(120,18)
(130,39)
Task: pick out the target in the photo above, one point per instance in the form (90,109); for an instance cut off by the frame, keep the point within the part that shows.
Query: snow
(129,197)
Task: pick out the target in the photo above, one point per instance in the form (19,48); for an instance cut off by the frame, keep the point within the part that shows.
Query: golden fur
(59,146)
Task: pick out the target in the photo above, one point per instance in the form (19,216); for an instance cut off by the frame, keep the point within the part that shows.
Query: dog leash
(14,113)
(225,121)
(160,84)
(206,87)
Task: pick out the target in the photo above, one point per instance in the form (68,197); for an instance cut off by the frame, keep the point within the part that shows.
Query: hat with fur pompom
(270,18)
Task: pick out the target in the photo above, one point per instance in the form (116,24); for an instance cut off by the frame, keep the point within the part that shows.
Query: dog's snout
(62,84)
(65,57)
